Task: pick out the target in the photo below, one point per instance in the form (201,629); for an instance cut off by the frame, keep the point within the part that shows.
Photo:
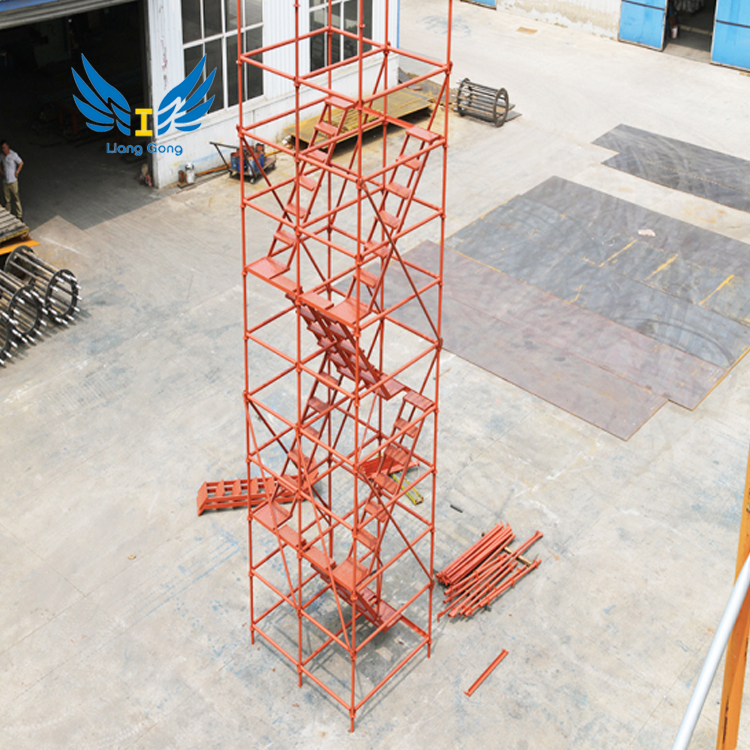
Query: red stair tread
(316,301)
(400,190)
(386,483)
(369,540)
(346,572)
(318,559)
(383,610)
(336,101)
(370,280)
(346,311)
(390,388)
(424,135)
(317,405)
(316,329)
(376,510)
(291,208)
(291,536)
(264,514)
(326,127)
(285,237)
(266,268)
(307,182)
(389,219)
(300,460)
(410,429)
(418,400)
(397,453)
(317,155)
(308,315)
(328,380)
(284,282)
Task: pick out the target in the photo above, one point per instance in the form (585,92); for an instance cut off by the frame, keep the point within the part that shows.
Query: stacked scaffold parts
(31,288)
(58,288)
(484,571)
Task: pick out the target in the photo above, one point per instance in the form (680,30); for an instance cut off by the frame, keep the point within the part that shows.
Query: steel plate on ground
(703,172)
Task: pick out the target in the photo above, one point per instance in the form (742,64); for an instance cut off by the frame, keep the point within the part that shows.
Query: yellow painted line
(611,257)
(578,294)
(721,286)
(663,266)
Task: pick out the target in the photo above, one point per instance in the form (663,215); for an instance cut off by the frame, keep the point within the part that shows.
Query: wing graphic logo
(104,106)
(183,107)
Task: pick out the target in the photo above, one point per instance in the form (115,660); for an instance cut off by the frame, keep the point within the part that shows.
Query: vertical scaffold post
(736,657)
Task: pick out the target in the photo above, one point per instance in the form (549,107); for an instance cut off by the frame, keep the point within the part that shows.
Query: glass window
(344,15)
(253,12)
(318,20)
(215,59)
(191,20)
(193,56)
(230,15)
(232,85)
(212,23)
(253,75)
(210,27)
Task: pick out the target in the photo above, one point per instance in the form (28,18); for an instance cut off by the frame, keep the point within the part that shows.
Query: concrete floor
(124,615)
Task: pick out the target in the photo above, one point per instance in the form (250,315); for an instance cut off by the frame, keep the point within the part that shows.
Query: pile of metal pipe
(58,288)
(21,309)
(484,571)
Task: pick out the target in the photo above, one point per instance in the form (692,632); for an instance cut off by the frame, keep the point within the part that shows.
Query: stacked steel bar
(485,571)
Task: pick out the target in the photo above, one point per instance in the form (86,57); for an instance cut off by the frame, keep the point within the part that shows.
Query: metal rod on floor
(482,677)
(713,658)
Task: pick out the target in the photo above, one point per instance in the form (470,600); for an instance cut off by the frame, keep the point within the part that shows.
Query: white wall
(600,17)
(165,49)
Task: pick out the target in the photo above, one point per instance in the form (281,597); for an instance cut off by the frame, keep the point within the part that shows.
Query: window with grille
(344,15)
(209,27)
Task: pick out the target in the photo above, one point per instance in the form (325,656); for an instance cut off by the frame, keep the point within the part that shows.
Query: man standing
(11,164)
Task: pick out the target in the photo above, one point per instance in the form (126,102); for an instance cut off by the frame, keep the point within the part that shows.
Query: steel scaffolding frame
(343,432)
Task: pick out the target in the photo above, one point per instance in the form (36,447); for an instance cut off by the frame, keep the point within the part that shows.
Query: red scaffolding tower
(341,433)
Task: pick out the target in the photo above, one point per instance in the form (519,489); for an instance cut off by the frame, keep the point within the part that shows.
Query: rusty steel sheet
(685,261)
(675,179)
(613,216)
(620,350)
(523,357)
(669,261)
(716,176)
(549,372)
(599,289)
(546,225)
